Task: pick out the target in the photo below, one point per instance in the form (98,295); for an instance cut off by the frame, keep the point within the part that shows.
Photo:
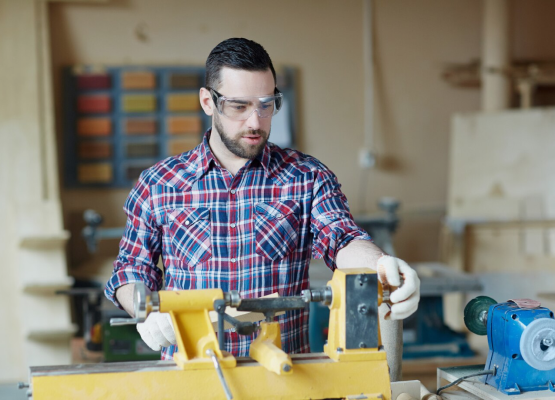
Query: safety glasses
(241,108)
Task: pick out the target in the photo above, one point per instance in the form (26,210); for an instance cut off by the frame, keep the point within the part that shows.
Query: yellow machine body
(194,331)
(314,376)
(340,372)
(338,319)
(266,349)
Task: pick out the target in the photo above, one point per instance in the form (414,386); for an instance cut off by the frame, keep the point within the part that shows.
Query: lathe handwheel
(475,314)
(537,344)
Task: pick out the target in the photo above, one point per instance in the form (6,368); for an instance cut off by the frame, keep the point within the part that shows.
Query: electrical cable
(487,372)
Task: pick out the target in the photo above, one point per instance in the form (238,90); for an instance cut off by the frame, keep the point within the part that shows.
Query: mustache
(258,132)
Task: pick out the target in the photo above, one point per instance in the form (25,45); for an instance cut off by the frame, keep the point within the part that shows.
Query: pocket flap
(277,209)
(191,215)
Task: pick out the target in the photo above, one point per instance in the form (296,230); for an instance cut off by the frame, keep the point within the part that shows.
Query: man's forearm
(124,294)
(359,254)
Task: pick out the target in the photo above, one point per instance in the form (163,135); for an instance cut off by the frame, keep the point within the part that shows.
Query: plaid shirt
(254,232)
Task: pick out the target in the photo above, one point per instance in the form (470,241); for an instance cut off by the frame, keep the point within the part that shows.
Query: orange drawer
(94,126)
(181,125)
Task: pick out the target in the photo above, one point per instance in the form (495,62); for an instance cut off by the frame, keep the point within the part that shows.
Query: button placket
(232,224)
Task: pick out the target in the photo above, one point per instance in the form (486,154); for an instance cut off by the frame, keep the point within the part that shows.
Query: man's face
(244,139)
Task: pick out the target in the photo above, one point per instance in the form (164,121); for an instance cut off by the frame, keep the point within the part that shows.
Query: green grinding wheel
(475,314)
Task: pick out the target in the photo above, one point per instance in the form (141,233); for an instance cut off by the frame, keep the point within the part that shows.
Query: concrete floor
(10,391)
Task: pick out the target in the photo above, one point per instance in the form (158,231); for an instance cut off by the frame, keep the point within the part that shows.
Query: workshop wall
(321,38)
(414,41)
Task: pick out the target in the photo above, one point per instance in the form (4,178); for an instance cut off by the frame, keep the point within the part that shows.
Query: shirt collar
(206,157)
(264,159)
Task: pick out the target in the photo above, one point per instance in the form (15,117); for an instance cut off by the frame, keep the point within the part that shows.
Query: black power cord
(487,372)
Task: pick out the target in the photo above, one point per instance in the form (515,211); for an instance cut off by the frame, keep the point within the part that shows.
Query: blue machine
(521,348)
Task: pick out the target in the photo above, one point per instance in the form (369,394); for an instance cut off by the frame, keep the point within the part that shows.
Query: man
(239,213)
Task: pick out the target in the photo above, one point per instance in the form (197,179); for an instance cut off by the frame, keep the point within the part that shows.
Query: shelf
(48,334)
(47,287)
(45,241)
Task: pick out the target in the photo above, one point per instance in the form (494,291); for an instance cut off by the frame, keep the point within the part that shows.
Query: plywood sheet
(502,165)
(510,247)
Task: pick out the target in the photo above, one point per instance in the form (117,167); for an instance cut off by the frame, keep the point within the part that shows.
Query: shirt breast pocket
(189,230)
(277,228)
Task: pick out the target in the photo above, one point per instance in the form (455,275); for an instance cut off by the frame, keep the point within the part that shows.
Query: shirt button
(232,225)
(232,191)
(187,222)
(233,260)
(279,216)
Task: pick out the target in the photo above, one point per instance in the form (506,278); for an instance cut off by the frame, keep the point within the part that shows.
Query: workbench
(474,388)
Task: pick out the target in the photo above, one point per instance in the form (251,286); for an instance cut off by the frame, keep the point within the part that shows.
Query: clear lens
(241,108)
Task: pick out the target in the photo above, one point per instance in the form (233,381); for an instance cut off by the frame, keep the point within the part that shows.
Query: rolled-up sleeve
(332,224)
(140,246)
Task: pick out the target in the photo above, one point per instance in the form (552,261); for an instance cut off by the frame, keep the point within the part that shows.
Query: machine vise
(521,339)
(353,364)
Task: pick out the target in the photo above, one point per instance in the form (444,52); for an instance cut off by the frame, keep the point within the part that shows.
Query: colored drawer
(138,80)
(141,149)
(132,172)
(94,150)
(184,81)
(93,81)
(139,103)
(140,126)
(94,126)
(183,102)
(184,125)
(95,173)
(94,104)
(176,147)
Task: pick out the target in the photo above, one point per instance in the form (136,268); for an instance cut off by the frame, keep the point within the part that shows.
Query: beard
(236,147)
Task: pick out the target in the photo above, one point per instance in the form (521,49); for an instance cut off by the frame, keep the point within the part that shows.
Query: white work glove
(157,330)
(405,298)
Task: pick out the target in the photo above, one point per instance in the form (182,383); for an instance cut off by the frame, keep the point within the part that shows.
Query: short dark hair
(237,53)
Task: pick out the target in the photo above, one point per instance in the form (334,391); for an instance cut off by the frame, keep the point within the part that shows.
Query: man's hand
(405,299)
(157,330)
